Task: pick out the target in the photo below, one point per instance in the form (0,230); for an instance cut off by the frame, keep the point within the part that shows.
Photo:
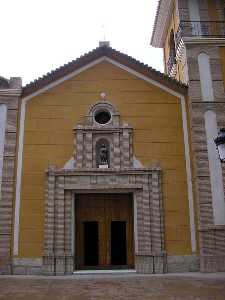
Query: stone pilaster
(69,214)
(60,226)
(49,227)
(126,148)
(79,147)
(156,215)
(116,151)
(146,216)
(88,145)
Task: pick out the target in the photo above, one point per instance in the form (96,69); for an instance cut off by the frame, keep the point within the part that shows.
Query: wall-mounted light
(220,144)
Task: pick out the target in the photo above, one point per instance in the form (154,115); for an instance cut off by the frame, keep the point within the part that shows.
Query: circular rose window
(102,117)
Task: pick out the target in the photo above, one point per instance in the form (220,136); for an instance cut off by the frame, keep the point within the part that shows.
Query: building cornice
(203,40)
(163,15)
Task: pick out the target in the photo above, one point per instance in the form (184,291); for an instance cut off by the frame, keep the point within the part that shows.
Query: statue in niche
(103,155)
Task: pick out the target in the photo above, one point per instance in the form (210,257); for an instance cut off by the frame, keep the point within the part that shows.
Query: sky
(39,36)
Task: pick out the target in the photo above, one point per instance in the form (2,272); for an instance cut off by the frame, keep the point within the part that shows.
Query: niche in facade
(102,154)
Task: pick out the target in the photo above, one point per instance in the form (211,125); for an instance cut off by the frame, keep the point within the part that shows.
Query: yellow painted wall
(222,55)
(158,137)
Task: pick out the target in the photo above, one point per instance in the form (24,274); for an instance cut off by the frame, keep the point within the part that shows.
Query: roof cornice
(161,23)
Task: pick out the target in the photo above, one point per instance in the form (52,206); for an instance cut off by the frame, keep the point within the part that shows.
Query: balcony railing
(203,29)
(209,29)
(171,63)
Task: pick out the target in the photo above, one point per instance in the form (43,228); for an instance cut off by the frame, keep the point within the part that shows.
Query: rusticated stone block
(5,265)
(60,265)
(19,270)
(48,267)
(11,121)
(212,263)
(144,264)
(34,271)
(182,264)
(69,264)
(5,270)
(160,263)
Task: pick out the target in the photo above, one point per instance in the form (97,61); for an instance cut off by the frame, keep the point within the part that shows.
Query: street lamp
(220,144)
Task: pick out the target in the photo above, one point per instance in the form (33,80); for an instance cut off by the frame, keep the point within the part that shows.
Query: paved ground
(119,287)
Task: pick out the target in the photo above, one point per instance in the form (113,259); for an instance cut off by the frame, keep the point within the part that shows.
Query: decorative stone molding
(118,136)
(122,174)
(62,187)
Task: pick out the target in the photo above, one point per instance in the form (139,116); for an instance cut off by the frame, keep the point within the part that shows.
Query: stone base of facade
(212,263)
(58,265)
(150,264)
(5,266)
(212,241)
(183,263)
(144,264)
(27,266)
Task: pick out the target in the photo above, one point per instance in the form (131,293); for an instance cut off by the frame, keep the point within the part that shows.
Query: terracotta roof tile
(99,52)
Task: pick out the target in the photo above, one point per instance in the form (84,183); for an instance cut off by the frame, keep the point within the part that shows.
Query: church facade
(106,163)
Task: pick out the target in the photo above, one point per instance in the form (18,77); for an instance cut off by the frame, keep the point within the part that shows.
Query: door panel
(108,214)
(91,254)
(118,243)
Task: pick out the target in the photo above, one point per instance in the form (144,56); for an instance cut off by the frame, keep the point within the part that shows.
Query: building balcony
(192,29)
(203,29)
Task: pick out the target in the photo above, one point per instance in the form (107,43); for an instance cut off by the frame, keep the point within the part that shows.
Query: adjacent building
(192,34)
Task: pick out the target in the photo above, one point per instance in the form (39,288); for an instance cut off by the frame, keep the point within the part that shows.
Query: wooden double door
(104,231)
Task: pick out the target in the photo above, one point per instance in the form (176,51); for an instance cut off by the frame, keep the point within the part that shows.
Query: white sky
(40,35)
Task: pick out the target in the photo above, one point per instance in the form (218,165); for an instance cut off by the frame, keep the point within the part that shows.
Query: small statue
(103,155)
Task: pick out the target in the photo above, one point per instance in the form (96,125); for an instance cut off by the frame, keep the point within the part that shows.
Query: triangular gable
(95,56)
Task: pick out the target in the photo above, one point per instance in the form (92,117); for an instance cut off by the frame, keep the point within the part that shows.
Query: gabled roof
(103,51)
